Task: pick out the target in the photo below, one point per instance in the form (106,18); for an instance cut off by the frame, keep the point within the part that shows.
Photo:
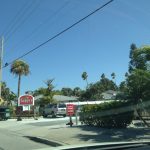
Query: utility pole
(1,65)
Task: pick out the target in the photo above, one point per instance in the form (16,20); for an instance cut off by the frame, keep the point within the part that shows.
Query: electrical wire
(60,33)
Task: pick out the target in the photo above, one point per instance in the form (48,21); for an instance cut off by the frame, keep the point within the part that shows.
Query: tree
(77,91)
(47,92)
(67,91)
(139,85)
(94,91)
(126,74)
(138,80)
(113,75)
(19,68)
(84,77)
(49,84)
(140,58)
(7,94)
(103,76)
(131,55)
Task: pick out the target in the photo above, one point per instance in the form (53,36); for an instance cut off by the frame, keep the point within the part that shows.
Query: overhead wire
(60,33)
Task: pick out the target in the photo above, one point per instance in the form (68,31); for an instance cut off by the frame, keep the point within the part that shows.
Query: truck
(54,110)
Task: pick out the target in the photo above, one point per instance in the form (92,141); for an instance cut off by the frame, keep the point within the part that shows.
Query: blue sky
(98,45)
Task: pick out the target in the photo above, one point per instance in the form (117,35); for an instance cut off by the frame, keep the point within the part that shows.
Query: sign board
(25,100)
(70,109)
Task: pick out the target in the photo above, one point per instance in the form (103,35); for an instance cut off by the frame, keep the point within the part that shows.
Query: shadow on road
(111,135)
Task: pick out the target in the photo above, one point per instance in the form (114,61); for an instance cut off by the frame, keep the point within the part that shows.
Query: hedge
(94,115)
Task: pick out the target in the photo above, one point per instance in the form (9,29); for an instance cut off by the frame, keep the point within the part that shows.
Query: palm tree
(84,77)
(19,68)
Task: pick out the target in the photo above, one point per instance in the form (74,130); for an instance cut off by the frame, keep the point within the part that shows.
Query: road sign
(70,109)
(26,100)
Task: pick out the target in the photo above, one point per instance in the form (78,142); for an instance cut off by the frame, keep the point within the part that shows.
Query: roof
(59,98)
(62,98)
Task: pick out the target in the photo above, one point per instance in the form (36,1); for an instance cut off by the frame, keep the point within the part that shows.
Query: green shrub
(104,115)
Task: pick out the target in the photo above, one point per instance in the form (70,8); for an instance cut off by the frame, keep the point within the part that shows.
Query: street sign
(25,100)
(70,109)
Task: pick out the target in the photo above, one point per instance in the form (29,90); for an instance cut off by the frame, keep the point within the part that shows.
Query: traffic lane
(12,141)
(57,121)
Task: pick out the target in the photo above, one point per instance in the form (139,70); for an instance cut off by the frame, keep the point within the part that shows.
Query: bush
(104,115)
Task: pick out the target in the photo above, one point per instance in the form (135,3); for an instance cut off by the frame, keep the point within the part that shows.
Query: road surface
(13,141)
(13,133)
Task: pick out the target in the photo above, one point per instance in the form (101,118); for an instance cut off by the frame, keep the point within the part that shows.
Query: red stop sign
(70,109)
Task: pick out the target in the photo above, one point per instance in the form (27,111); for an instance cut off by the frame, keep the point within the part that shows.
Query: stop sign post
(70,113)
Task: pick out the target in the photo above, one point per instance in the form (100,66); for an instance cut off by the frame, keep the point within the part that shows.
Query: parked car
(4,113)
(55,110)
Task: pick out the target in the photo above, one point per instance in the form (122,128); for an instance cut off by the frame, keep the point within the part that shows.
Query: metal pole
(1,60)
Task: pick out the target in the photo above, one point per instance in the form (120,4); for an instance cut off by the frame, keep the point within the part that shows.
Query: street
(13,141)
(22,134)
(14,133)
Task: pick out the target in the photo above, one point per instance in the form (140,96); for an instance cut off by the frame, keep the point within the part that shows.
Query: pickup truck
(55,110)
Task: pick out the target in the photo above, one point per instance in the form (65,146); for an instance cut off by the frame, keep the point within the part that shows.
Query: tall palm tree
(84,77)
(19,68)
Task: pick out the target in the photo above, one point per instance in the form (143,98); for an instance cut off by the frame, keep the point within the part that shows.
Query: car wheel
(53,115)
(44,116)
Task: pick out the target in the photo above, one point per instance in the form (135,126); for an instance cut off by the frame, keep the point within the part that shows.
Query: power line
(60,33)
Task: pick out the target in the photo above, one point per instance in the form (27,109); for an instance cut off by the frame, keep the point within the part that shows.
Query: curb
(45,141)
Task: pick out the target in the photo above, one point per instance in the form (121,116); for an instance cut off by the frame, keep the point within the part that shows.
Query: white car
(55,110)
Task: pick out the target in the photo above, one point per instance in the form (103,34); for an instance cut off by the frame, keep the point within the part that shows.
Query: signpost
(26,101)
(70,112)
(70,109)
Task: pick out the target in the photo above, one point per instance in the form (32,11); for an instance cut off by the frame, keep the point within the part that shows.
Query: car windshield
(62,106)
(74,73)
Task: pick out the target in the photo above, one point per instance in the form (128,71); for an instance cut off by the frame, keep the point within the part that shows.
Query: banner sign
(25,100)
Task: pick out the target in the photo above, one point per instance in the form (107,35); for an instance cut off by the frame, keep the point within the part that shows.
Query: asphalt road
(13,141)
(12,133)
